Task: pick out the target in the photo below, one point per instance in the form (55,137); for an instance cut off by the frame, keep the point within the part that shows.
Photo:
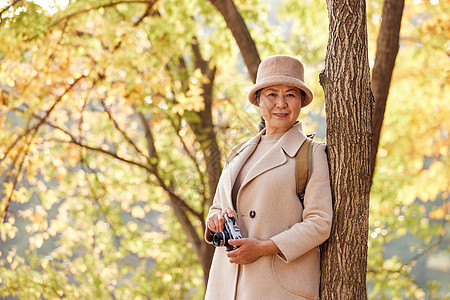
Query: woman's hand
(250,250)
(215,221)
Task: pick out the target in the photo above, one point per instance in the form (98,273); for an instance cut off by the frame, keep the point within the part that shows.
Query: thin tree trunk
(349,106)
(203,251)
(201,123)
(241,34)
(387,49)
(205,133)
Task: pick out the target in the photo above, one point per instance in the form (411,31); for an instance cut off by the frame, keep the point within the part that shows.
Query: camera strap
(303,166)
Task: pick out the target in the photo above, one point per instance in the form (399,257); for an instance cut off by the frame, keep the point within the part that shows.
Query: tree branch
(175,199)
(387,49)
(93,191)
(241,34)
(427,250)
(42,120)
(7,8)
(191,156)
(151,169)
(146,14)
(112,4)
(4,213)
(122,132)
(150,140)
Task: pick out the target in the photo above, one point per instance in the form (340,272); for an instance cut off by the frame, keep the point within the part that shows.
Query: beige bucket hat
(280,69)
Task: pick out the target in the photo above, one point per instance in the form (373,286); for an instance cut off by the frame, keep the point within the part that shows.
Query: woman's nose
(281,101)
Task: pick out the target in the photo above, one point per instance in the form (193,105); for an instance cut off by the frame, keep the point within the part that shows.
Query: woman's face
(280,106)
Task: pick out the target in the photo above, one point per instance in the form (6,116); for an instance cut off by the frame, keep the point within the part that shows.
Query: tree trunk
(349,106)
(203,250)
(203,126)
(241,34)
(201,123)
(387,49)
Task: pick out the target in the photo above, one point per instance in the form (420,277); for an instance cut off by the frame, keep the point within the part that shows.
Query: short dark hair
(303,95)
(258,96)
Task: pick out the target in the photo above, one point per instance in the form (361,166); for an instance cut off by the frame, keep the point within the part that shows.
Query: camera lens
(220,238)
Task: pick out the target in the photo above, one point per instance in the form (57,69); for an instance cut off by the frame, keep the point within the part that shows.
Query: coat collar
(293,139)
(288,145)
(290,142)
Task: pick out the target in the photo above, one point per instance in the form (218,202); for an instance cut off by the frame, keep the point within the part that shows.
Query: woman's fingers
(229,212)
(219,221)
(210,222)
(213,223)
(216,221)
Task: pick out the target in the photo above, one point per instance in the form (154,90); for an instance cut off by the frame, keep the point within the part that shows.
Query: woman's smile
(280,106)
(281,115)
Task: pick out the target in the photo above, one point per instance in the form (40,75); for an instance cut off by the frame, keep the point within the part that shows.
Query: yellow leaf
(138,212)
(440,213)
(10,82)
(110,100)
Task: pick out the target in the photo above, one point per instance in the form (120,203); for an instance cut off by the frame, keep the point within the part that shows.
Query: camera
(231,232)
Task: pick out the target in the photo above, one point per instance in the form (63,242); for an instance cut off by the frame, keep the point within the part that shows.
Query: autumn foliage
(116,118)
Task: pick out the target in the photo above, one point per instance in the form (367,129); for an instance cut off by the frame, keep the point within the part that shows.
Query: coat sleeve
(215,207)
(217,202)
(317,214)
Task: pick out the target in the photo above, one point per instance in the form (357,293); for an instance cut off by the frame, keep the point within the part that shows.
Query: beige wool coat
(268,208)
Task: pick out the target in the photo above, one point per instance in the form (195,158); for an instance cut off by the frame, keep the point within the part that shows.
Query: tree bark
(241,34)
(204,127)
(203,251)
(387,49)
(349,106)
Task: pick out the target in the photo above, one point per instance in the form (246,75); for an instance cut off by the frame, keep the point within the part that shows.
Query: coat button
(252,214)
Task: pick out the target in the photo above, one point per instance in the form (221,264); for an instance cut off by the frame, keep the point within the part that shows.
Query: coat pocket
(300,277)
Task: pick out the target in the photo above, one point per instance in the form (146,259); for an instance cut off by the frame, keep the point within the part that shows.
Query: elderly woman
(278,256)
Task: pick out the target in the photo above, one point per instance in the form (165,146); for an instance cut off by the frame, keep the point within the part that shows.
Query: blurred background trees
(116,118)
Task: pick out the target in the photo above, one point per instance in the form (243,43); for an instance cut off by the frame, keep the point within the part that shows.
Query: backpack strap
(303,166)
(234,152)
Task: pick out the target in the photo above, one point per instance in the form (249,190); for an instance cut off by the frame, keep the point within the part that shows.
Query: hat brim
(280,79)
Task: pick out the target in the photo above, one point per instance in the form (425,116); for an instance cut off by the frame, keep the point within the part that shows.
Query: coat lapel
(293,140)
(288,145)
(273,158)
(236,164)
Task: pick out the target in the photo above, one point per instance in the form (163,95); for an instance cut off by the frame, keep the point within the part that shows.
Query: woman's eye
(290,95)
